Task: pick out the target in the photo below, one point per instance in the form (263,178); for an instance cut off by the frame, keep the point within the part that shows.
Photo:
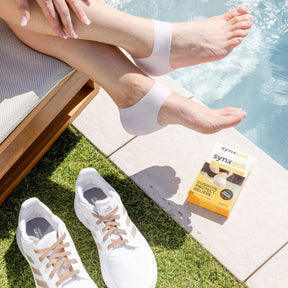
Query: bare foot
(179,110)
(198,42)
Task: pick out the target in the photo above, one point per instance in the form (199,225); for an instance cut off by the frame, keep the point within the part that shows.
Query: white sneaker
(125,256)
(46,244)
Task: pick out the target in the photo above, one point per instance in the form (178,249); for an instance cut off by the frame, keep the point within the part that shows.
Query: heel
(19,242)
(158,63)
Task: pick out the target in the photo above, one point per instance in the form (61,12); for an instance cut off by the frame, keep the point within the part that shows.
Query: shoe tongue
(105,206)
(48,240)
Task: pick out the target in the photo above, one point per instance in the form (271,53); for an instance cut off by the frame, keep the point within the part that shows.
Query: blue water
(254,76)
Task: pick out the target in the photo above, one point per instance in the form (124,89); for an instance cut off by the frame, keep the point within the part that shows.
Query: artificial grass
(181,260)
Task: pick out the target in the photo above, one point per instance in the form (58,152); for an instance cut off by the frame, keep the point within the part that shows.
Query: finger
(78,10)
(64,13)
(24,10)
(52,16)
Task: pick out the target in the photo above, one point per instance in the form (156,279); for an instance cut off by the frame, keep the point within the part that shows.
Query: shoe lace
(111,226)
(58,258)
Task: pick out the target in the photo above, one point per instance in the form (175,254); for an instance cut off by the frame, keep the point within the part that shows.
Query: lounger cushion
(26,77)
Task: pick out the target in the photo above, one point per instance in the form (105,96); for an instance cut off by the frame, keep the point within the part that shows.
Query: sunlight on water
(254,76)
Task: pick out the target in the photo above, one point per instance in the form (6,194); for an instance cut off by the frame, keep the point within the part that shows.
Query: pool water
(254,76)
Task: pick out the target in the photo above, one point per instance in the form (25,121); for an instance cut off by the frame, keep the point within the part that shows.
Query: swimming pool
(254,76)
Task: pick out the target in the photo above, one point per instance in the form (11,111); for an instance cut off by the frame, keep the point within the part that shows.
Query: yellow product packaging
(221,179)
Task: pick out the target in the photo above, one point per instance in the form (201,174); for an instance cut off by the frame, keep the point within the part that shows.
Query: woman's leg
(126,84)
(192,42)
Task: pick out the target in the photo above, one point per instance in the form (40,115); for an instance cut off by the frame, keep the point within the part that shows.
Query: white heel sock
(141,118)
(158,63)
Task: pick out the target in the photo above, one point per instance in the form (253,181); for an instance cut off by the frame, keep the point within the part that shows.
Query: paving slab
(273,274)
(166,163)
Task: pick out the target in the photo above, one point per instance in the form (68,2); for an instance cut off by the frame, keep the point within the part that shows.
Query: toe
(240,33)
(236,12)
(242,18)
(229,111)
(242,25)
(232,43)
(232,118)
(221,119)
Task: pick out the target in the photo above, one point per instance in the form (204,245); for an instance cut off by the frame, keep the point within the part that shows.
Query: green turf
(182,262)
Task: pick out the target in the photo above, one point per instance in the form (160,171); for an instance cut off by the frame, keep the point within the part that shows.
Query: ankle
(133,88)
(140,45)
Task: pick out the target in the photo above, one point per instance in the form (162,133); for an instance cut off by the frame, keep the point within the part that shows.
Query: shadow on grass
(18,270)
(36,183)
(52,180)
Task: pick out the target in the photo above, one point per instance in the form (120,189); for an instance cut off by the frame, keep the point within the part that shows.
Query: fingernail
(64,35)
(24,21)
(240,9)
(85,20)
(74,34)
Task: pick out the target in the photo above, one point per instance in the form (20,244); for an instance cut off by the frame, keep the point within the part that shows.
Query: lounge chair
(39,97)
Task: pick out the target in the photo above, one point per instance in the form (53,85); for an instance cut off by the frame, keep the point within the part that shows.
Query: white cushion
(26,77)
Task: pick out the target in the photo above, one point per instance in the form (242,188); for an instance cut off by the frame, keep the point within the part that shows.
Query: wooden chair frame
(25,146)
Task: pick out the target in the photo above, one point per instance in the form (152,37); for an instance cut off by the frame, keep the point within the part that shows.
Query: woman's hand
(57,12)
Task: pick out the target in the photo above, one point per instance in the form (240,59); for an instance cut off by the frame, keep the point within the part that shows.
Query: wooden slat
(32,126)
(20,152)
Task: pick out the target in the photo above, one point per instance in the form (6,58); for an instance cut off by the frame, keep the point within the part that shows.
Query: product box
(221,179)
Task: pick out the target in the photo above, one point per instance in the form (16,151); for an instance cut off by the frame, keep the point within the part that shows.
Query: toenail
(239,110)
(240,9)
